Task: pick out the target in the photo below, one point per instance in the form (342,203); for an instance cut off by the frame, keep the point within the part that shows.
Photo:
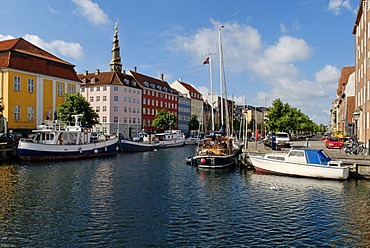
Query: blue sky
(292,50)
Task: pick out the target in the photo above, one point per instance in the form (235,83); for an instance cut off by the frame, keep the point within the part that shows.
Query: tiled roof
(107,78)
(140,78)
(22,55)
(191,89)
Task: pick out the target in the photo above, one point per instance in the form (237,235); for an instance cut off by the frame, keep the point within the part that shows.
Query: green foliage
(77,104)
(164,120)
(194,123)
(282,117)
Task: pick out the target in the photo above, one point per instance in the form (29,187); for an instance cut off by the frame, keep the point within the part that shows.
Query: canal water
(154,199)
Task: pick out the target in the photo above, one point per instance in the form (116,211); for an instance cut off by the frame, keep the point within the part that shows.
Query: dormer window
(133,83)
(126,81)
(158,87)
(146,83)
(152,86)
(93,80)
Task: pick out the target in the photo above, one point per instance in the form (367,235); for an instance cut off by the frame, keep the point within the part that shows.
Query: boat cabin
(305,156)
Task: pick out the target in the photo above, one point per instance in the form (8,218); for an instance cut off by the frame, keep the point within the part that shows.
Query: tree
(164,120)
(194,123)
(77,104)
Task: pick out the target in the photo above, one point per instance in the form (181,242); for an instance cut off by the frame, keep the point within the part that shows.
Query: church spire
(115,63)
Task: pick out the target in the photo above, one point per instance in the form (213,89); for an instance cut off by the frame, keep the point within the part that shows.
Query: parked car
(283,139)
(333,142)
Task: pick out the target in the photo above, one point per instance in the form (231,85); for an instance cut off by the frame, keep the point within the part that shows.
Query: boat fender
(95,150)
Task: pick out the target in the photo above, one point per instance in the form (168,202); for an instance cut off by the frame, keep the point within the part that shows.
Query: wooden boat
(170,138)
(216,152)
(58,140)
(304,162)
(144,142)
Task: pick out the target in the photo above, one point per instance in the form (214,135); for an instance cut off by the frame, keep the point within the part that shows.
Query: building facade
(32,84)
(156,95)
(184,115)
(361,31)
(115,96)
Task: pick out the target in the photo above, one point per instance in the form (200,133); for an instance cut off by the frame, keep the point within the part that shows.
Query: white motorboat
(304,162)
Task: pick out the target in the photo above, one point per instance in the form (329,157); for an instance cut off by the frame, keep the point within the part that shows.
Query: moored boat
(216,152)
(304,162)
(170,138)
(144,142)
(58,140)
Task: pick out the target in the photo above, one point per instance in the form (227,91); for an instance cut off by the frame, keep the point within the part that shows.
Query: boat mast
(221,77)
(211,83)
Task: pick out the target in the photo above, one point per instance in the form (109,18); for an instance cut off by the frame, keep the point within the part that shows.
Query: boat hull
(134,146)
(28,150)
(215,162)
(171,143)
(264,165)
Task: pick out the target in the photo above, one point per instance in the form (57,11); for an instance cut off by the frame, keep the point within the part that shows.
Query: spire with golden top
(115,63)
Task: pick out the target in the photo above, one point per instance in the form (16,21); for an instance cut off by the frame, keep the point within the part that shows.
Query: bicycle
(354,149)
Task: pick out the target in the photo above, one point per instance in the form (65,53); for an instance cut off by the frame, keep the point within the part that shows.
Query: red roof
(140,78)
(22,55)
(191,89)
(107,78)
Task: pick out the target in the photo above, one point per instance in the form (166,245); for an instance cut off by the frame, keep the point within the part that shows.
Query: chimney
(86,73)
(123,71)
(97,72)
(135,69)
(162,76)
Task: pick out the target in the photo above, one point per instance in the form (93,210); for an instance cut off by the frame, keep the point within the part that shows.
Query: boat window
(276,157)
(296,154)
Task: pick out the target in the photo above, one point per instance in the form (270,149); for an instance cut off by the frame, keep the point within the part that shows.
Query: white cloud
(337,5)
(67,49)
(6,37)
(92,12)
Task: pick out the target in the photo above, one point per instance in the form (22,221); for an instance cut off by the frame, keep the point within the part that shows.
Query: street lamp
(356,115)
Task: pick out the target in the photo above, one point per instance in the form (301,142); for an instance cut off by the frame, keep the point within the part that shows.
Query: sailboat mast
(211,82)
(221,77)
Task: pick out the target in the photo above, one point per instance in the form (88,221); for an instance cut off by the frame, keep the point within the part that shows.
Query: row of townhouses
(351,109)
(33,83)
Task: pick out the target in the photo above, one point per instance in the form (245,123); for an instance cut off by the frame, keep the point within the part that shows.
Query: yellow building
(32,84)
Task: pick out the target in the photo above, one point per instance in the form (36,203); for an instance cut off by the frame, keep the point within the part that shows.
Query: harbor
(155,199)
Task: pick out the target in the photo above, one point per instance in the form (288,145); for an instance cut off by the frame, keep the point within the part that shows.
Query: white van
(283,139)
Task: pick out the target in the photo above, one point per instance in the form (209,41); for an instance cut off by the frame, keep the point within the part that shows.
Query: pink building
(115,96)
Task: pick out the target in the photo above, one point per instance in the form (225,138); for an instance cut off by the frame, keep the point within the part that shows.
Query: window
(104,88)
(115,88)
(82,89)
(98,88)
(115,119)
(104,108)
(30,113)
(17,83)
(17,112)
(98,98)
(97,109)
(91,98)
(104,98)
(91,89)
(30,85)
(125,109)
(125,120)
(115,98)
(115,109)
(60,89)
(71,89)
(104,119)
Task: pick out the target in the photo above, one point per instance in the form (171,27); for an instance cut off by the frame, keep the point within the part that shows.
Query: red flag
(206,61)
